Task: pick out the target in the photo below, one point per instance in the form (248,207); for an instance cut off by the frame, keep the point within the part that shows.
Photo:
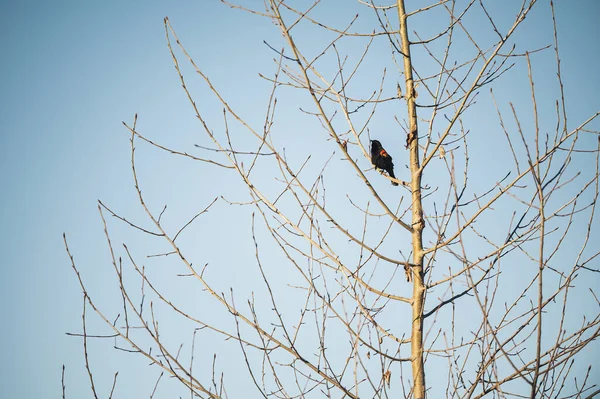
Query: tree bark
(416,274)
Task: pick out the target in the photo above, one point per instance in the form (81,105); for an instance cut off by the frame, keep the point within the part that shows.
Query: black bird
(381,159)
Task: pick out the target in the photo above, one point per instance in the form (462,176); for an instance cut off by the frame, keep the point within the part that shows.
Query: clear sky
(71,72)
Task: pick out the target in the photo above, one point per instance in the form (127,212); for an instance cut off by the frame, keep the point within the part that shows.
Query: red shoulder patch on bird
(383,153)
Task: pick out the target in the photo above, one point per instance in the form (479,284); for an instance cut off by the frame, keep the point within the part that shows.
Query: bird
(382,160)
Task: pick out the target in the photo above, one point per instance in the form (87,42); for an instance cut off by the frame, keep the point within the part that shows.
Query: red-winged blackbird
(381,159)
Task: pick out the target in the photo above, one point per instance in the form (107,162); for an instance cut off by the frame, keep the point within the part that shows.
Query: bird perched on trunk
(381,159)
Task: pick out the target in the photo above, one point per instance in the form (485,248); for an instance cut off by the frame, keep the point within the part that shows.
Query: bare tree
(492,227)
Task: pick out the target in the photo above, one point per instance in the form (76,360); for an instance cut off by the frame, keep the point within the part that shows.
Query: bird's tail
(391,173)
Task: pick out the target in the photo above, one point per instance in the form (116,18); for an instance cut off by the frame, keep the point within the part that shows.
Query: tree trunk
(416,272)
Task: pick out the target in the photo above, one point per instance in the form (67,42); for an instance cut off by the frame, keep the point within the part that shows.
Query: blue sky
(71,73)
